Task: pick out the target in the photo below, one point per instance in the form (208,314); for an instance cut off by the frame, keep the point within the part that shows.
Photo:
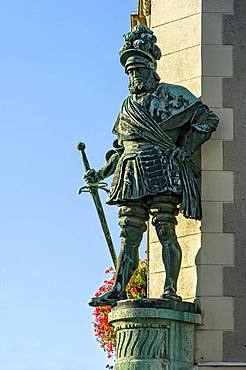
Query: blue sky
(61,82)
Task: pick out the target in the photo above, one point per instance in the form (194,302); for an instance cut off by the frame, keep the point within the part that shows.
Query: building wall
(178,30)
(204,49)
(234,97)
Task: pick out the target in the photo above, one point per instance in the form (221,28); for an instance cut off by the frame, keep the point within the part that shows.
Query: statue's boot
(132,223)
(108,299)
(126,265)
(170,291)
(164,221)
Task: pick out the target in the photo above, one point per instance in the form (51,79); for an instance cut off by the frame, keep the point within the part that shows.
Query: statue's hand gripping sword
(92,188)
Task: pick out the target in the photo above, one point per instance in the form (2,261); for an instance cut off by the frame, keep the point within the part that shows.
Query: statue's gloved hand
(93,177)
(181,153)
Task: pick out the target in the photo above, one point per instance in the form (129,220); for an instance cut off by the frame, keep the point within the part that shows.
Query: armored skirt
(145,169)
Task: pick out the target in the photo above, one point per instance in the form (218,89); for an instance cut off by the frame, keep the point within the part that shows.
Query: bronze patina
(158,128)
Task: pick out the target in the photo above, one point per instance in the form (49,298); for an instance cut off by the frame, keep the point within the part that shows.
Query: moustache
(137,84)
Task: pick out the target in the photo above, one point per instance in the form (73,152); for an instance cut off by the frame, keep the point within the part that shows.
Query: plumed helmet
(140,45)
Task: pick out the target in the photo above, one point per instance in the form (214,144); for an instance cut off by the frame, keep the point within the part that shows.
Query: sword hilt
(90,187)
(81,148)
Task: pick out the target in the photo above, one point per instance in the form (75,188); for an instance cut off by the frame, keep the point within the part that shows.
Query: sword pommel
(81,146)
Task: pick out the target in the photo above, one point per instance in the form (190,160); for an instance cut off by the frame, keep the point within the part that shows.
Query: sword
(92,188)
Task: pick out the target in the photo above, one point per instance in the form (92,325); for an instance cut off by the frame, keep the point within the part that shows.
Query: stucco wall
(204,49)
(178,30)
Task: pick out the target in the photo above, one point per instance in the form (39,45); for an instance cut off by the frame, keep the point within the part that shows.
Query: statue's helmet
(140,48)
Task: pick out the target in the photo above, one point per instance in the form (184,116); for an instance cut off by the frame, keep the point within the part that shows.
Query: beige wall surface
(177,25)
(195,55)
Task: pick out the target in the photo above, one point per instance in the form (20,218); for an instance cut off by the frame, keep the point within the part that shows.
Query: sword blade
(104,225)
(99,208)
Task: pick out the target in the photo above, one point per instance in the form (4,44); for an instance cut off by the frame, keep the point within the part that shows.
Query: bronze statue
(158,128)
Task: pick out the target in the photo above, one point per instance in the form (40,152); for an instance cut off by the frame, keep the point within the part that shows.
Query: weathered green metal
(158,129)
(93,189)
(152,334)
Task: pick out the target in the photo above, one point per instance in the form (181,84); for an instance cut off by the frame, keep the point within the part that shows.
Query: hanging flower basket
(136,289)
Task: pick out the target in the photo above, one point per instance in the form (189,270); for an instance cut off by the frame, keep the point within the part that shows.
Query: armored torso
(146,165)
(150,127)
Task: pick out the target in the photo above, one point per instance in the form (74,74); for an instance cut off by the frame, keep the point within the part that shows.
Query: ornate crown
(142,42)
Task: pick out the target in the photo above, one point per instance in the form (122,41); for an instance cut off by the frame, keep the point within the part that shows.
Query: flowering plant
(136,289)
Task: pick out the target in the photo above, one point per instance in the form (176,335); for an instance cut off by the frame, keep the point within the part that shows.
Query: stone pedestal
(154,334)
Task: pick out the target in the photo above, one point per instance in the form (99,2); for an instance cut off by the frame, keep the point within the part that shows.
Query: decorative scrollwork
(144,10)
(142,343)
(146,7)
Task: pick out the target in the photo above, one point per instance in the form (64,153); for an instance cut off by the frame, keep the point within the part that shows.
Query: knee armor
(133,224)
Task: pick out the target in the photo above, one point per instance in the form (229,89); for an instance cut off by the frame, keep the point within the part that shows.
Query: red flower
(136,289)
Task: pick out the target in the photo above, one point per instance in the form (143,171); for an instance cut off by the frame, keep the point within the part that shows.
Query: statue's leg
(133,224)
(164,209)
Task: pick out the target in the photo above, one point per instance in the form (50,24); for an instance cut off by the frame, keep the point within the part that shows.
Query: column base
(154,334)
(129,364)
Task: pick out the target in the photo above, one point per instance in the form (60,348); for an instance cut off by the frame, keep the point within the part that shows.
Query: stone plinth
(154,334)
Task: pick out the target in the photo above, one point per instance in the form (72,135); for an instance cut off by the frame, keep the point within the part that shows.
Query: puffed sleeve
(204,120)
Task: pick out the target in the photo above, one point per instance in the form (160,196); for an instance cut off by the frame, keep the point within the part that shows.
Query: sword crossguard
(97,186)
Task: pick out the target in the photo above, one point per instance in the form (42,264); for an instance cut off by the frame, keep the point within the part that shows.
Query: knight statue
(158,128)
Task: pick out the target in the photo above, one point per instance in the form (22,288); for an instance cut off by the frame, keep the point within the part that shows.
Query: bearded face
(141,80)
